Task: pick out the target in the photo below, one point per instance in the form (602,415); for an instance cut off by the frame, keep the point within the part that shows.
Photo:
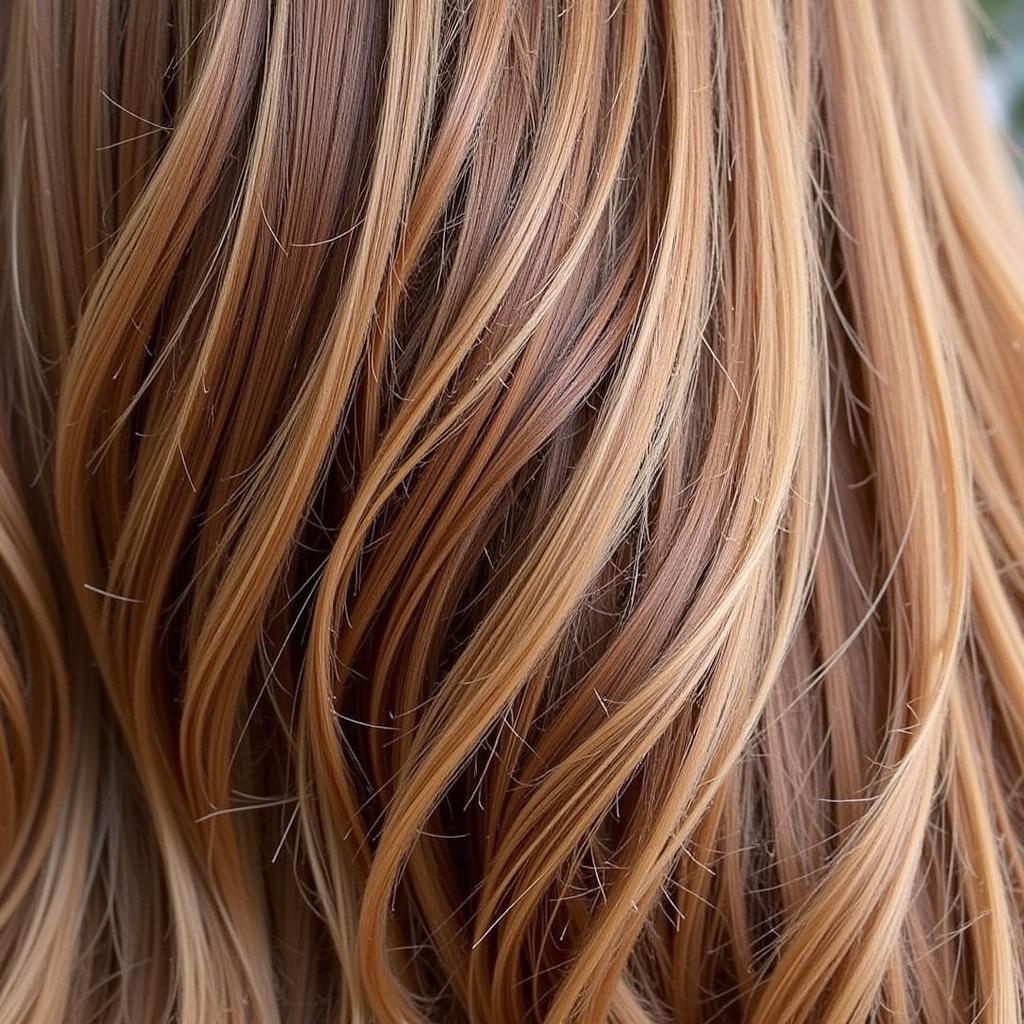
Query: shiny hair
(509,511)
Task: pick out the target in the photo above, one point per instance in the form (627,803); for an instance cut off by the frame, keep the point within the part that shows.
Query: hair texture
(509,511)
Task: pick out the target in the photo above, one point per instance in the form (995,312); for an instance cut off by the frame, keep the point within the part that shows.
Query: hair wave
(509,511)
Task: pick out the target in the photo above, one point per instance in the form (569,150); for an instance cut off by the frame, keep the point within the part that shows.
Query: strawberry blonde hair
(511,511)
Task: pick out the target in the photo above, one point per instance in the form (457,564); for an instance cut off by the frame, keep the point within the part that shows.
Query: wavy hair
(509,511)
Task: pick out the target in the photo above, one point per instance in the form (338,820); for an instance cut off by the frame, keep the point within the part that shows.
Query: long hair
(509,511)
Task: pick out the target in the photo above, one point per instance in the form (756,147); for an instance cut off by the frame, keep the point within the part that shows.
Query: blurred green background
(1004,72)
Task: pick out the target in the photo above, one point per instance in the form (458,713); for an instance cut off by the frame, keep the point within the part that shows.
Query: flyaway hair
(510,511)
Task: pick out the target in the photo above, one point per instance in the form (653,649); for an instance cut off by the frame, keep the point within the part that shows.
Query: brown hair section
(509,511)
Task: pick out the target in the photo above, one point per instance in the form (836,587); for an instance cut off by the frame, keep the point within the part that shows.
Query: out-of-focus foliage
(1003,30)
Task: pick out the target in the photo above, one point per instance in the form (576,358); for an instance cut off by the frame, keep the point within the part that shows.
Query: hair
(509,511)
